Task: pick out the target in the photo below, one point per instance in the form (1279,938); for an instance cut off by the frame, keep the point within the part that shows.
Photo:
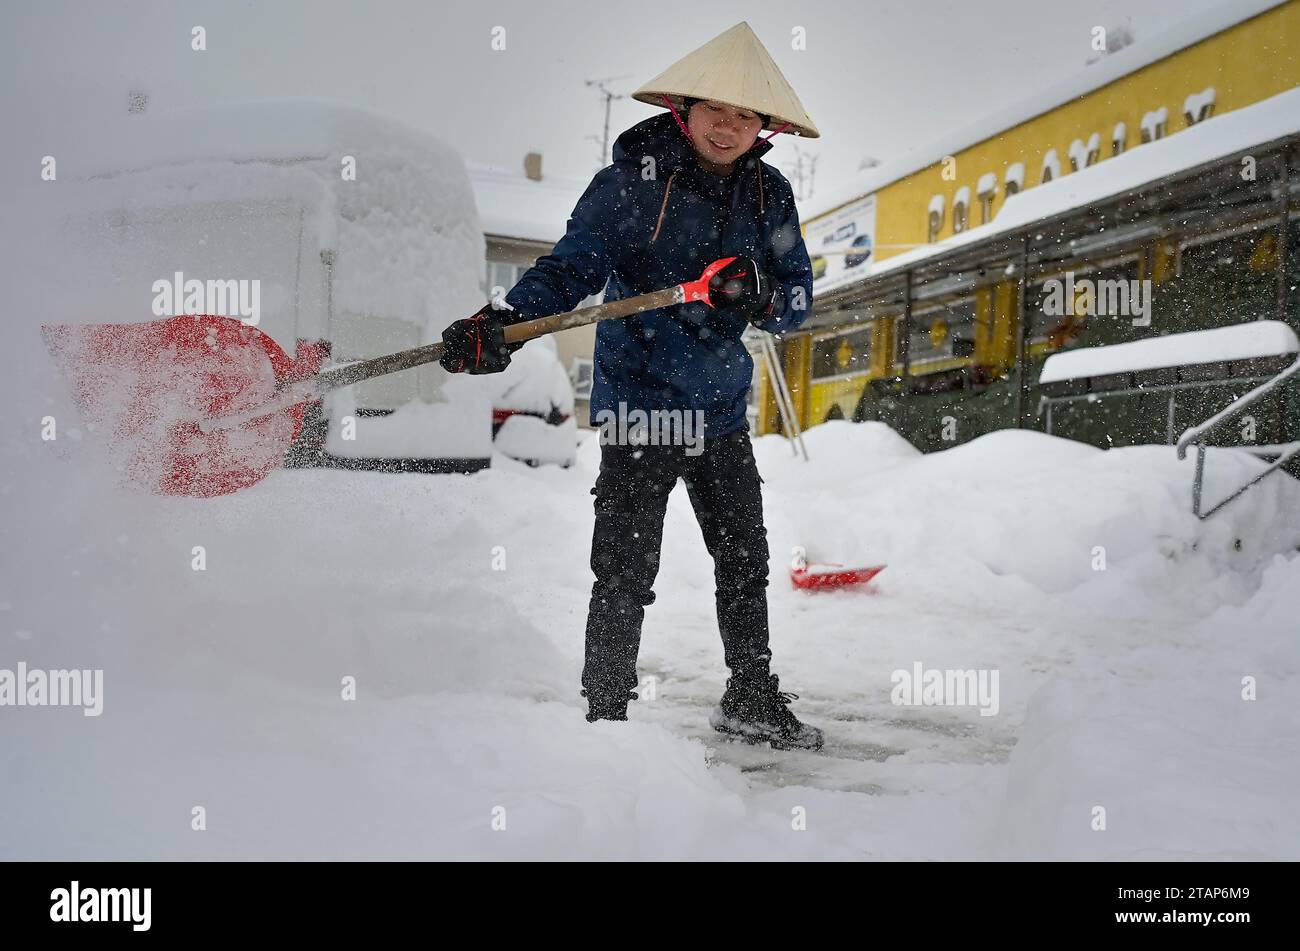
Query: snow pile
(394,204)
(535,440)
(1178,747)
(224,687)
(1032,508)
(456,606)
(455,429)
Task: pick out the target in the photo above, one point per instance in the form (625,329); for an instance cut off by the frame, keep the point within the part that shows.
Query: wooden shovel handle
(697,290)
(313,388)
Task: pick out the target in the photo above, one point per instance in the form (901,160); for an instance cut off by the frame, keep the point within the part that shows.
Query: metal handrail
(1144,389)
(1196,435)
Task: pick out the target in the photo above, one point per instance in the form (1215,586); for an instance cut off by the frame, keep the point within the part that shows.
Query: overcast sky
(878,78)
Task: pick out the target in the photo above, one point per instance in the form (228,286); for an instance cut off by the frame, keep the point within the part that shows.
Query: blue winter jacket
(655,218)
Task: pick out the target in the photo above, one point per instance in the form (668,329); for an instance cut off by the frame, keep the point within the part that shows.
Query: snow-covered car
(532,408)
(363,238)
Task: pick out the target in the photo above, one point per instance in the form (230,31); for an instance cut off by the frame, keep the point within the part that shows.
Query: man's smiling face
(722,133)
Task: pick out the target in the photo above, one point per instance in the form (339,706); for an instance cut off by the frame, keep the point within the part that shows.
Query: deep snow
(1119,688)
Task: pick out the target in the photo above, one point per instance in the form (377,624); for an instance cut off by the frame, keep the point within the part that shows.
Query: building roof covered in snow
(1216,138)
(512,205)
(1142,53)
(1166,115)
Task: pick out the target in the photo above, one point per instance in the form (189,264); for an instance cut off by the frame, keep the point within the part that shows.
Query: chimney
(533,166)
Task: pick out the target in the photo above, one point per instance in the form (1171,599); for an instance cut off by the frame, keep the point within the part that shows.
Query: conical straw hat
(734,68)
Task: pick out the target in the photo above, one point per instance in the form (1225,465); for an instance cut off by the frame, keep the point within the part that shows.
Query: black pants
(631,497)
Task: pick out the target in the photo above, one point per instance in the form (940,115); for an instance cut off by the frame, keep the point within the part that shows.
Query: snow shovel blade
(821,577)
(143,389)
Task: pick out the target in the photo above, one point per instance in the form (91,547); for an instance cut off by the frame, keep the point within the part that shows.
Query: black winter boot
(756,711)
(607,706)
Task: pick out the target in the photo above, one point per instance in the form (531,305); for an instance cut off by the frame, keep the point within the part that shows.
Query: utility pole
(802,173)
(609,98)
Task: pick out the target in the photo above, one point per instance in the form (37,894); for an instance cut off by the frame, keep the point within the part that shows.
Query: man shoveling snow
(679,194)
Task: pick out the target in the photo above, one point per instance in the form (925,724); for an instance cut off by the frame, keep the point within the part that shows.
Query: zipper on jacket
(664,207)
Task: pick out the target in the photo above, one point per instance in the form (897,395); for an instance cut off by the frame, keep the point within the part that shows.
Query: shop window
(502,276)
(842,354)
(940,333)
(1234,278)
(1098,298)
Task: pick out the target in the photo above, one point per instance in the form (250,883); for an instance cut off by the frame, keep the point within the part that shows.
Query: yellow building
(926,267)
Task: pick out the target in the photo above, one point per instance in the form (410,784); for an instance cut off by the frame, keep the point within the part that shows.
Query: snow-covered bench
(1243,353)
(1256,349)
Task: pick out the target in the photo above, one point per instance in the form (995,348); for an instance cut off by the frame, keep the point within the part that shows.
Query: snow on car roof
(1258,338)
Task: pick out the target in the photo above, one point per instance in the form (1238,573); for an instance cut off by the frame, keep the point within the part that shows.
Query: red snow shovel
(204,406)
(809,577)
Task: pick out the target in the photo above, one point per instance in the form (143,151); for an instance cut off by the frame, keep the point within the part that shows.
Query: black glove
(742,288)
(477,344)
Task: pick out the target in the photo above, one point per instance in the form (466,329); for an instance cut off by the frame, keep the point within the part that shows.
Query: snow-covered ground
(458,604)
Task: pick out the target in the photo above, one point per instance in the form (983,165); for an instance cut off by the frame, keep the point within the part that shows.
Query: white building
(524,215)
